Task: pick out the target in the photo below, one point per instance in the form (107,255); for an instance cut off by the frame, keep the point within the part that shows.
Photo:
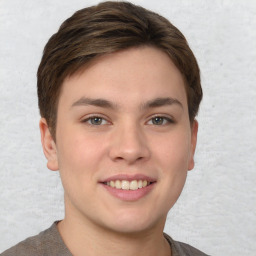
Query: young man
(118,89)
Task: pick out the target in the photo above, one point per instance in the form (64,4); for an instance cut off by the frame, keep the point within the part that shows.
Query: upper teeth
(128,185)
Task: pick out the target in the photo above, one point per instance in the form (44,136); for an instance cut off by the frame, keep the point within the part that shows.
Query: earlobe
(49,146)
(194,130)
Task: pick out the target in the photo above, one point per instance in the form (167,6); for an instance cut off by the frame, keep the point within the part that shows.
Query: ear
(194,130)
(49,145)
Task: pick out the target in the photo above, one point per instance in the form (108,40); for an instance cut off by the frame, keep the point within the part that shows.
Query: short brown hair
(106,28)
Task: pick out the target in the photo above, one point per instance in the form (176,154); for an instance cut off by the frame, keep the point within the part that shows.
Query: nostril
(129,150)
(119,158)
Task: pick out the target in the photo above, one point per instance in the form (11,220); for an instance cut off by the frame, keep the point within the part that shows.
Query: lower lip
(129,195)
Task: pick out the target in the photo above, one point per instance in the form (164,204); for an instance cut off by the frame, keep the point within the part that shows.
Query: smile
(128,185)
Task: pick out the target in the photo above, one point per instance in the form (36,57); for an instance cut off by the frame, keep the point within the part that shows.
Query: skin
(127,140)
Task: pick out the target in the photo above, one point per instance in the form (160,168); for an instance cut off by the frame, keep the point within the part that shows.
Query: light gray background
(216,211)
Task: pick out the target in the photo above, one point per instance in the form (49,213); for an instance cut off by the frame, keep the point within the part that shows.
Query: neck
(85,238)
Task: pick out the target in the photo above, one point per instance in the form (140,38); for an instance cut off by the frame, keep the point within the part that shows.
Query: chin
(134,224)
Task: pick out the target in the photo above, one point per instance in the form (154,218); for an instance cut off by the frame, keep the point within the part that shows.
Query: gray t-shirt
(49,242)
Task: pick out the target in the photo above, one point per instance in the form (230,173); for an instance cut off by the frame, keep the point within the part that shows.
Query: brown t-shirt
(49,242)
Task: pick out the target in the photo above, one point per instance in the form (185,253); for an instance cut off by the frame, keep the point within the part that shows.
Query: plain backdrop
(216,211)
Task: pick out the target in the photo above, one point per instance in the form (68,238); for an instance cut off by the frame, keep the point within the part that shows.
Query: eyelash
(166,120)
(87,119)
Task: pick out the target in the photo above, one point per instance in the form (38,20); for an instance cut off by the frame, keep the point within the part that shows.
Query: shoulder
(182,249)
(47,242)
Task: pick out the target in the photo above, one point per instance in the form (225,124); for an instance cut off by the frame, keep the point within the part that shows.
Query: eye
(95,120)
(160,120)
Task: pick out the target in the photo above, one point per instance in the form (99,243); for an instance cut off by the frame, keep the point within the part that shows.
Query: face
(124,142)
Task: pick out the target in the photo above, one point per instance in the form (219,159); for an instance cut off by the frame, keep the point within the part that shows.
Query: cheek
(79,153)
(172,161)
(78,160)
(173,151)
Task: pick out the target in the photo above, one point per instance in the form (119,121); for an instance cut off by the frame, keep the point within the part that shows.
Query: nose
(129,144)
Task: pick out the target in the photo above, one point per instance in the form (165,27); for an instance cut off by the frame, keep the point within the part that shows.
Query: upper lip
(129,177)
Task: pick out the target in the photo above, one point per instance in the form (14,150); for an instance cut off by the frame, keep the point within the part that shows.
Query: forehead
(136,74)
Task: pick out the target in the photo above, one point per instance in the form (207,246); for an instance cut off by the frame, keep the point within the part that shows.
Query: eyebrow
(94,102)
(158,102)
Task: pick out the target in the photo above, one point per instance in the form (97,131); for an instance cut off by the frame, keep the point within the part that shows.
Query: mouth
(128,185)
